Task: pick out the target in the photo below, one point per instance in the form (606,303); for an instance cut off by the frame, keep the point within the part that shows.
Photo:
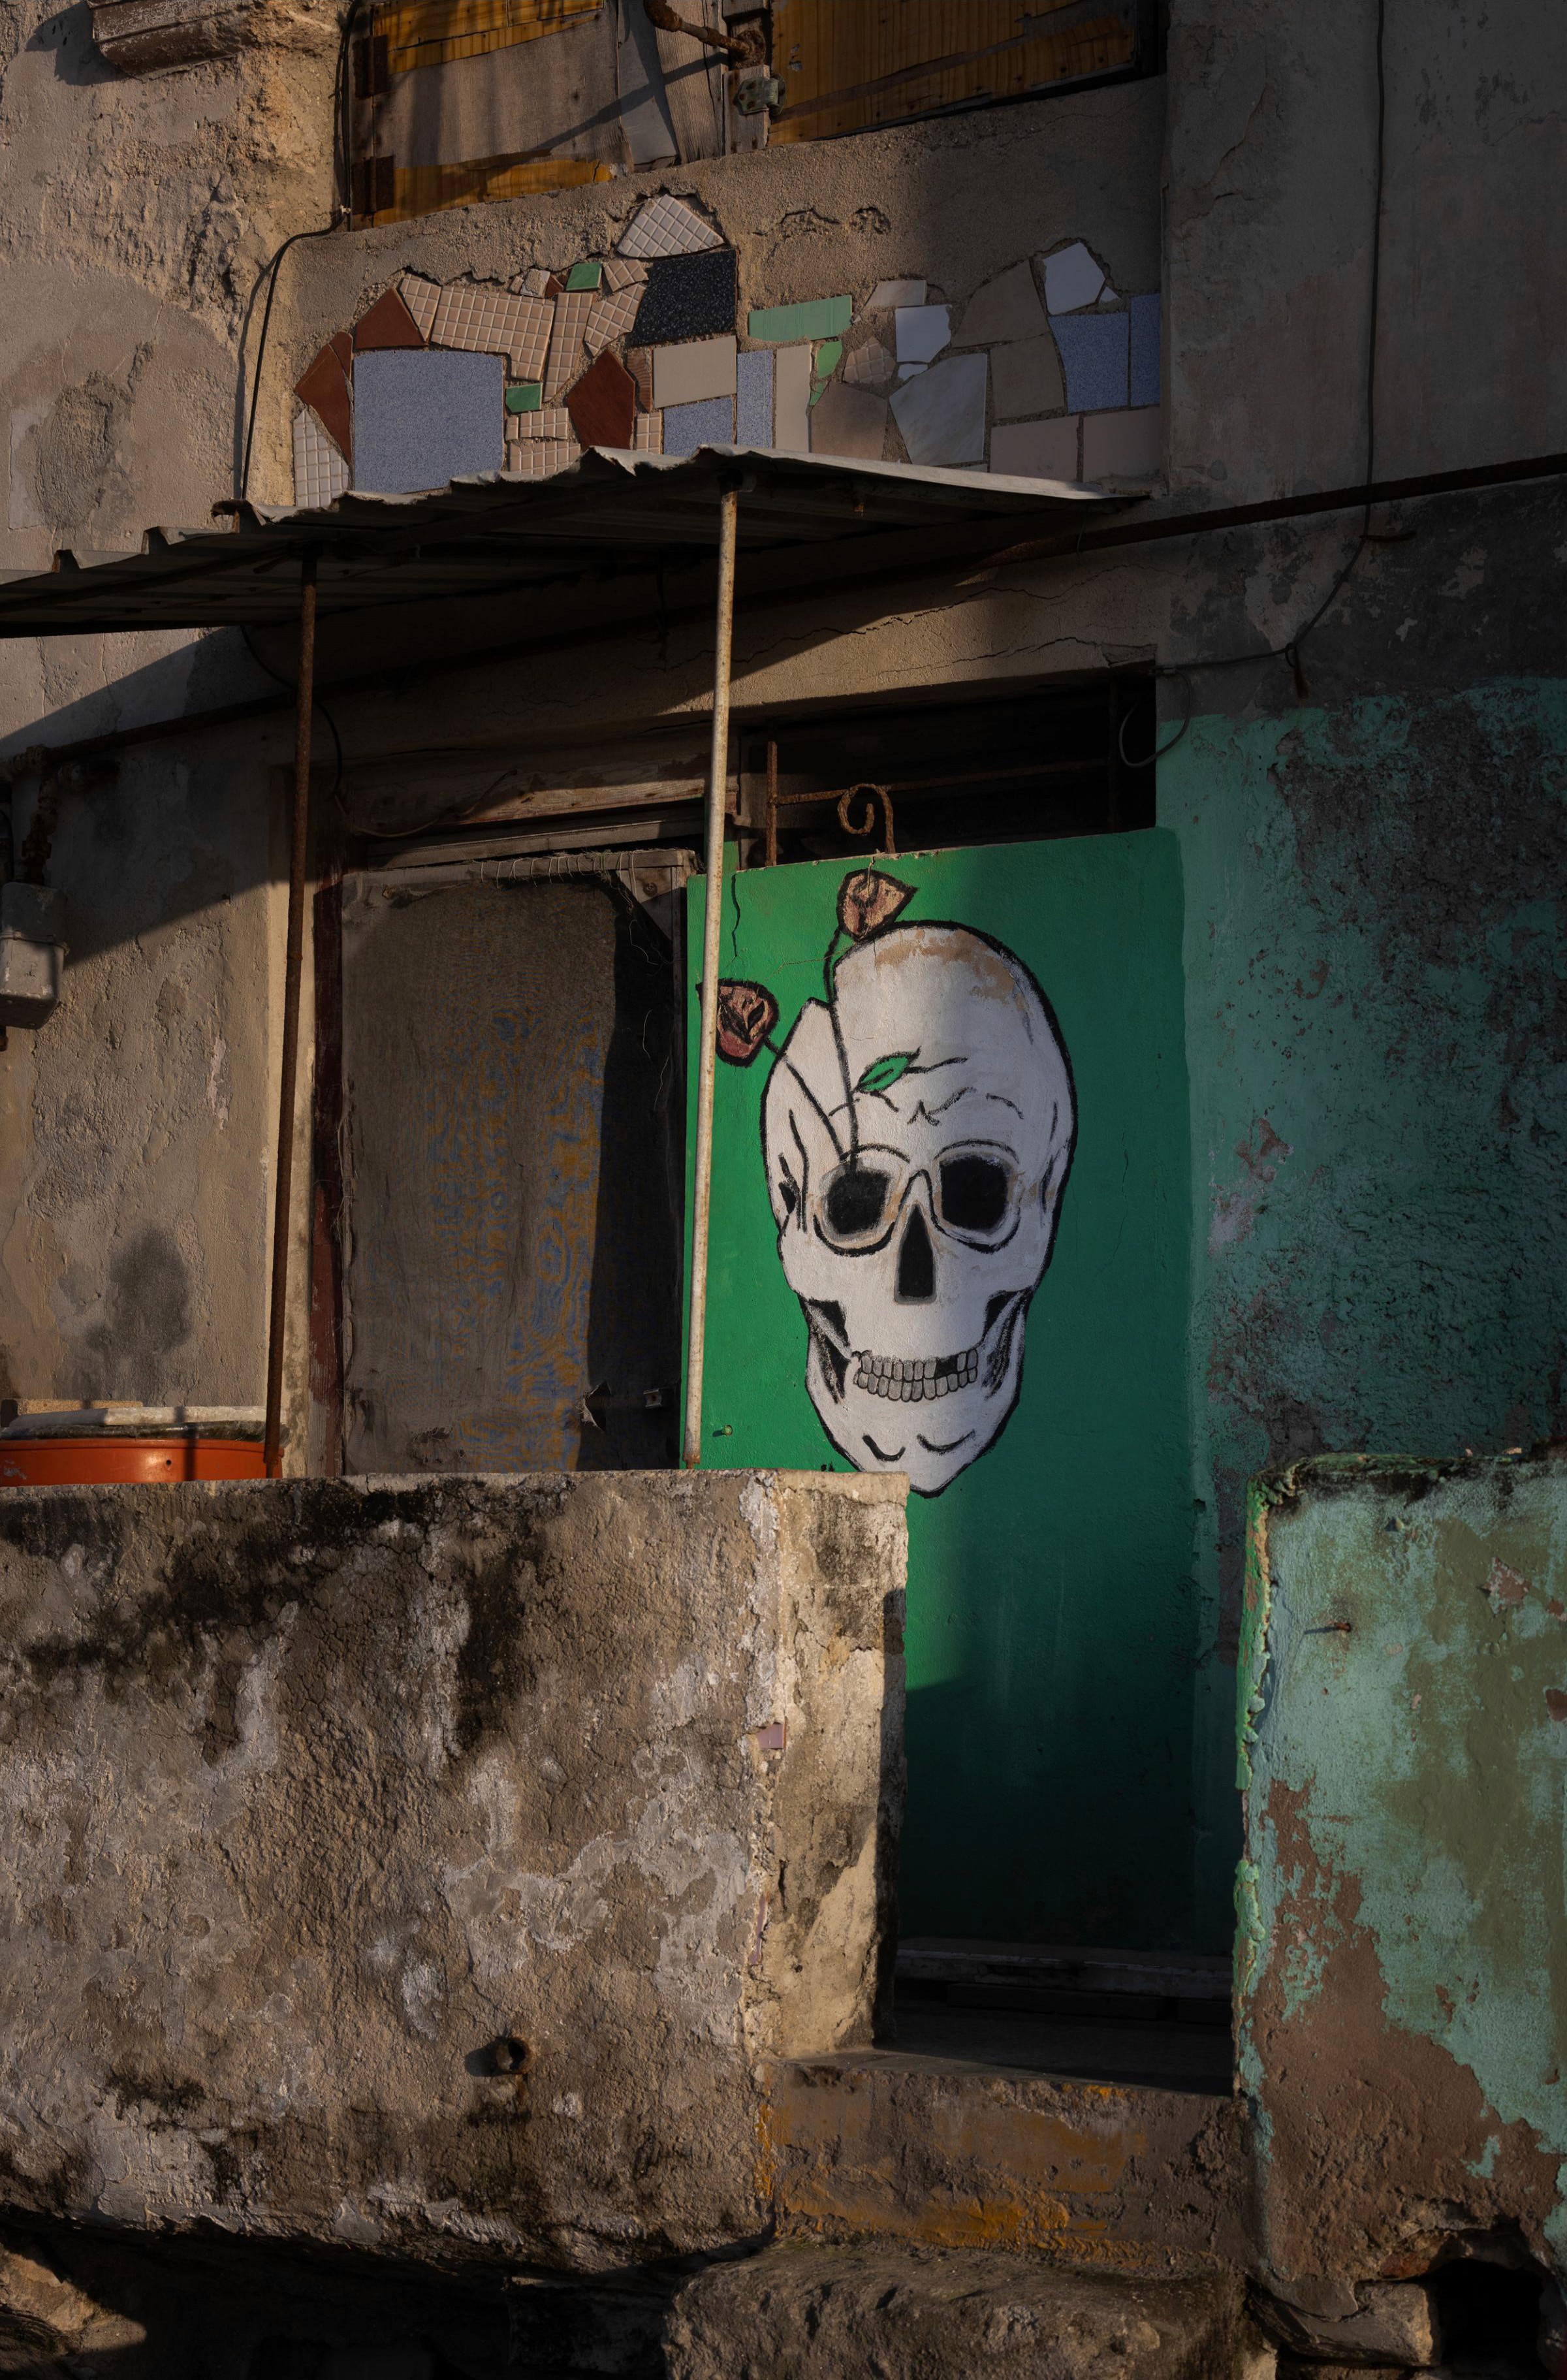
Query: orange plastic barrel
(127,1461)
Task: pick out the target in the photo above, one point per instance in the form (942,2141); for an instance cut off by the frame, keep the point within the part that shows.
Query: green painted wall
(1376,965)
(1051,1619)
(1318,1022)
(1403,2008)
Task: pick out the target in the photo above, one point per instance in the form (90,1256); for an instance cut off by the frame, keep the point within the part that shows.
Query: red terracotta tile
(387,324)
(603,405)
(554,287)
(342,346)
(324,388)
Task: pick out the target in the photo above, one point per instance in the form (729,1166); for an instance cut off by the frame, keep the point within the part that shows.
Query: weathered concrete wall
(1402,1933)
(427,1866)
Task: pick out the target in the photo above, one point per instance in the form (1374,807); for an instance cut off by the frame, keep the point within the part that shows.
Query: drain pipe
(712,923)
(298,848)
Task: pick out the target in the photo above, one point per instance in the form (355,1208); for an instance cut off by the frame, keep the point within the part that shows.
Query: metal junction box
(33,952)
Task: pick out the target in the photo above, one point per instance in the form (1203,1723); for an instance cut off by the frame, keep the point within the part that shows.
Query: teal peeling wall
(1376,963)
(1404,1984)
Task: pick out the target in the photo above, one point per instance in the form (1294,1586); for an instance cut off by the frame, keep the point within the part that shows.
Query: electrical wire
(1290,651)
(288,686)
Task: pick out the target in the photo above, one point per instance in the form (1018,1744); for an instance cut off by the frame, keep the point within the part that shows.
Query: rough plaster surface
(437,1861)
(905,2149)
(1402,1938)
(828,2314)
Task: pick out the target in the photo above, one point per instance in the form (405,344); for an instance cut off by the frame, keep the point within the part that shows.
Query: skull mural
(917,1133)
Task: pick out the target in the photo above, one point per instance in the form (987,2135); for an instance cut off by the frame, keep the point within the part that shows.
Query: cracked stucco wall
(438,1860)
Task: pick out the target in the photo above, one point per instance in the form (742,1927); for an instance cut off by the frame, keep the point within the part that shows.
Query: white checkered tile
(574,311)
(540,459)
(421,298)
(613,318)
(647,437)
(551,421)
(667,226)
(494,322)
(624,273)
(320,473)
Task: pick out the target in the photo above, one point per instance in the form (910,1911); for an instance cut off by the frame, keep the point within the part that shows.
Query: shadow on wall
(146,1317)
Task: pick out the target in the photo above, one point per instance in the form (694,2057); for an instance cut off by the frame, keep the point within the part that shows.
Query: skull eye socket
(976,1192)
(855,1202)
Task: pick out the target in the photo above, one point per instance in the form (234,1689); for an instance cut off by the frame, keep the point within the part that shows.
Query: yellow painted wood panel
(846,67)
(425,189)
(434,32)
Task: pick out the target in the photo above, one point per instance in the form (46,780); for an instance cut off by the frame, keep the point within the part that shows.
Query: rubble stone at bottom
(806,2313)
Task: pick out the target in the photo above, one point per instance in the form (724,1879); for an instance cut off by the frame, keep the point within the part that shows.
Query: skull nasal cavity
(916,1261)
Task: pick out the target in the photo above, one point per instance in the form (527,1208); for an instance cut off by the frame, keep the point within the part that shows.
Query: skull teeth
(912,1380)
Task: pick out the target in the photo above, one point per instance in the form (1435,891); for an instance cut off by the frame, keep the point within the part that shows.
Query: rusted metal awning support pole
(299,853)
(712,922)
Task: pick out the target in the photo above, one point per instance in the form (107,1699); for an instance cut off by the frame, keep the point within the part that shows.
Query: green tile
(525,397)
(815,318)
(585,276)
(829,356)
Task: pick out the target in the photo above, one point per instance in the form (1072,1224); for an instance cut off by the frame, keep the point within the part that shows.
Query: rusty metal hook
(873,795)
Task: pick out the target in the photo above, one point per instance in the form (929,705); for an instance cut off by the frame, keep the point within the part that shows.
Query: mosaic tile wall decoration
(1043,371)
(320,473)
(688,297)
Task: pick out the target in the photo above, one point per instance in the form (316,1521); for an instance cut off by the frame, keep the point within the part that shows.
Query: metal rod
(304,700)
(712,923)
(772,844)
(957,777)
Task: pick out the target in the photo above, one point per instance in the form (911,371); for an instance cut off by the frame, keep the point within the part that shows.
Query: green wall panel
(1051,1632)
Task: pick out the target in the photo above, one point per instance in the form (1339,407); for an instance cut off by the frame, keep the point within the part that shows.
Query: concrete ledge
(874,2146)
(425,1865)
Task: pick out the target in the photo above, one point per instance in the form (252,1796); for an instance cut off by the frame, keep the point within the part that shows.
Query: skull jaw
(930,1442)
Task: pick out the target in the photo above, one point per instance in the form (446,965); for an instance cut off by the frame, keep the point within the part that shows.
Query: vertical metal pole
(298,847)
(772,847)
(712,922)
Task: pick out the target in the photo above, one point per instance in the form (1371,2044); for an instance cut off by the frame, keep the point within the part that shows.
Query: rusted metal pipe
(293,967)
(712,922)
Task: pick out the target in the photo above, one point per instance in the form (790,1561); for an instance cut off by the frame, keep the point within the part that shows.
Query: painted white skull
(917,1151)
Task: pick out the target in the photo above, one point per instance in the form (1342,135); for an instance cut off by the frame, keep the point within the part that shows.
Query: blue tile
(709,423)
(755,407)
(426,415)
(1093,354)
(1145,350)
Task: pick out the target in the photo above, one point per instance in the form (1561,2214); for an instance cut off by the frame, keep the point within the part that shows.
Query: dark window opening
(1488,2316)
(1018,770)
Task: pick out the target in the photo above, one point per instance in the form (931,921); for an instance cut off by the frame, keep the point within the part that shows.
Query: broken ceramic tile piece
(426,416)
(815,318)
(572,316)
(922,331)
(649,433)
(753,405)
(388,323)
(1035,450)
(490,320)
(1094,356)
(549,422)
(324,387)
(889,295)
(638,362)
(870,366)
(540,458)
(586,276)
(320,473)
(667,226)
(1122,446)
(911,371)
(695,370)
(603,403)
(533,282)
(688,297)
(623,273)
(1071,279)
(613,318)
(1005,307)
(942,413)
(421,298)
(849,421)
(1026,377)
(791,400)
(686,426)
(525,397)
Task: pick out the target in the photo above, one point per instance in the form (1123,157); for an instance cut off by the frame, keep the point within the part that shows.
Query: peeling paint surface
(1403,2024)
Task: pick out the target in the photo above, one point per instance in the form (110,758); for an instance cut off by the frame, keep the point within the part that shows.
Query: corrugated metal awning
(498,535)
